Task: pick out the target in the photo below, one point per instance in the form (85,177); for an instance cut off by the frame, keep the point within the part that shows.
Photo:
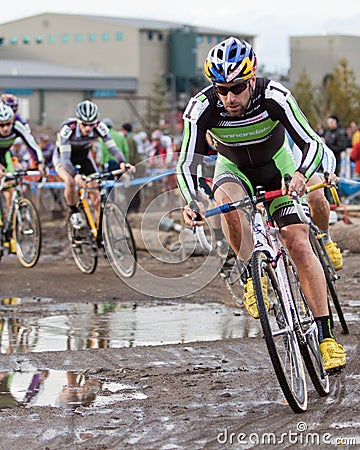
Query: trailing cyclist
(10,130)
(74,144)
(246,118)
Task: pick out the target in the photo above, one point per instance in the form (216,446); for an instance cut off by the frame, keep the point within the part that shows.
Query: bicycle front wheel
(27,233)
(280,337)
(307,333)
(119,241)
(83,246)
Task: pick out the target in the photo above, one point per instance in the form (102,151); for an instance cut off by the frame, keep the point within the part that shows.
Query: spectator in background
(47,148)
(163,150)
(107,161)
(136,157)
(144,145)
(355,157)
(335,138)
(20,155)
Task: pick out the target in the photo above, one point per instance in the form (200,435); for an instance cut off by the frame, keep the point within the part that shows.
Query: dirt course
(187,395)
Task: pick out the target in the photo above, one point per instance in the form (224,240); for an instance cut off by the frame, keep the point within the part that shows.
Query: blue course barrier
(154,175)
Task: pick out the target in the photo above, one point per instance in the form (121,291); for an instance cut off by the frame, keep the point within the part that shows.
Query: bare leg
(235,224)
(70,193)
(319,206)
(311,274)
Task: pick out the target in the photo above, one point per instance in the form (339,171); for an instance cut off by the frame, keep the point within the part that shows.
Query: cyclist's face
(235,104)
(6,127)
(86,128)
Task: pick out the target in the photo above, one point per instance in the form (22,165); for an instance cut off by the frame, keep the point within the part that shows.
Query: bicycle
(109,229)
(232,271)
(21,224)
(288,327)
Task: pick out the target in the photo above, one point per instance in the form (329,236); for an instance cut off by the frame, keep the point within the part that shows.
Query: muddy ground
(193,395)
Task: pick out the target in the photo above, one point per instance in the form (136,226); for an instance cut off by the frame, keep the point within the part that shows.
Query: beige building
(53,61)
(318,55)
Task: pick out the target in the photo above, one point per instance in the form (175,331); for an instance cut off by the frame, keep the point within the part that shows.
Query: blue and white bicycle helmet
(87,112)
(6,113)
(230,60)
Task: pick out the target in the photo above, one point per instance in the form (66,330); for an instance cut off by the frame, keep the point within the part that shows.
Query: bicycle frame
(15,197)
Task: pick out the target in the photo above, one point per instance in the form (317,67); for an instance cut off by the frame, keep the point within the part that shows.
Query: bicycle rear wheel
(329,271)
(27,233)
(307,333)
(83,246)
(119,241)
(280,337)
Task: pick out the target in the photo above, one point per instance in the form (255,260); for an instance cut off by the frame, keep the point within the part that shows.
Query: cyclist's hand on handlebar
(192,217)
(43,170)
(79,181)
(330,178)
(297,184)
(127,167)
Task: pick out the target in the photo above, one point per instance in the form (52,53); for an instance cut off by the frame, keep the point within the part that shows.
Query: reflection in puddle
(65,389)
(47,327)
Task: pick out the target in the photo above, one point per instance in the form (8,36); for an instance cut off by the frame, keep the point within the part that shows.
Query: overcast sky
(272,22)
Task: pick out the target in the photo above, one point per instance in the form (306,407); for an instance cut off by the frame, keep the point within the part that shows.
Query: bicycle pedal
(335,370)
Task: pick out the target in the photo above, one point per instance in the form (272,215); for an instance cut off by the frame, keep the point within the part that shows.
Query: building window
(92,37)
(209,39)
(2,40)
(160,37)
(26,40)
(104,93)
(78,37)
(65,38)
(119,36)
(150,35)
(13,40)
(105,37)
(219,39)
(199,39)
(52,39)
(39,39)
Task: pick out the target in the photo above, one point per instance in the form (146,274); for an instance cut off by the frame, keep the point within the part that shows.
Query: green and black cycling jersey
(19,130)
(250,141)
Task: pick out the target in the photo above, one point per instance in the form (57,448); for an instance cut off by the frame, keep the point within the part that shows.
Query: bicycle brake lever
(194,206)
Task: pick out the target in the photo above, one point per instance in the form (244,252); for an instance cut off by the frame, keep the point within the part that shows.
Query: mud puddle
(38,326)
(58,388)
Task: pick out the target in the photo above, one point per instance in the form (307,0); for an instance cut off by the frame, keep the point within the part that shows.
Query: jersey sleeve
(283,107)
(193,146)
(24,133)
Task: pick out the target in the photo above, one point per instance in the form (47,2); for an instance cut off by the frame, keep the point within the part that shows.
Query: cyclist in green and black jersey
(246,118)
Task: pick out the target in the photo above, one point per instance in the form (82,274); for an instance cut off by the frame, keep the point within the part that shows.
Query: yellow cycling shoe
(250,302)
(334,254)
(11,245)
(333,355)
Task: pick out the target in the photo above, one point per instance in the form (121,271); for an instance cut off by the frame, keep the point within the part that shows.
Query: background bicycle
(107,228)
(19,225)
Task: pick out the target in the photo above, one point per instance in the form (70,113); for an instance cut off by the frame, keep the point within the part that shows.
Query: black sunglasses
(5,124)
(235,89)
